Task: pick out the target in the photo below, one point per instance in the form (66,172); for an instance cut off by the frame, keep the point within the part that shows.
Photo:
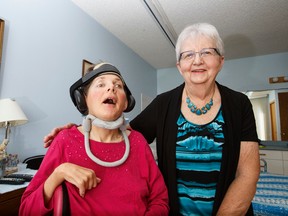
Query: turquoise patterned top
(198,161)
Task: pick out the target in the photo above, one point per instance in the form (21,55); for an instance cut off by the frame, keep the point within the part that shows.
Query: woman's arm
(242,190)
(49,138)
(83,178)
(53,171)
(37,196)
(158,199)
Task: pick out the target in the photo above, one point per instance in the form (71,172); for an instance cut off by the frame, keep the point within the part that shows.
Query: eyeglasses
(204,53)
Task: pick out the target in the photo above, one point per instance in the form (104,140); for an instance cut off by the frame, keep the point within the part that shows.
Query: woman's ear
(179,67)
(126,104)
(222,59)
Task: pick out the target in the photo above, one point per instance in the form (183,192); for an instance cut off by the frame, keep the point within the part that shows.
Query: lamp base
(2,167)
(3,145)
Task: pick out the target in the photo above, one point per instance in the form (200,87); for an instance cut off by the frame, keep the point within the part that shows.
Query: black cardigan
(159,119)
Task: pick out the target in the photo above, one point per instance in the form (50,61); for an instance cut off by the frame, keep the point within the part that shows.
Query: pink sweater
(133,188)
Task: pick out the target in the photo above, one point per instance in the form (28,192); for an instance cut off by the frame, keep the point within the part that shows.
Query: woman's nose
(111,88)
(197,59)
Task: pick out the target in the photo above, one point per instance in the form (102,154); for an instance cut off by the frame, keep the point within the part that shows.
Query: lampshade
(11,112)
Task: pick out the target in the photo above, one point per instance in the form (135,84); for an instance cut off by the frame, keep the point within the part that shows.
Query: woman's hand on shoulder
(49,138)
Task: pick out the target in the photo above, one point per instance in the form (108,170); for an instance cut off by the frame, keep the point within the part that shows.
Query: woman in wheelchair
(107,169)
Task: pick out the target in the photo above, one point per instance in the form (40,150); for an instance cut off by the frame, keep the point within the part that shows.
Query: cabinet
(285,162)
(10,195)
(10,202)
(275,162)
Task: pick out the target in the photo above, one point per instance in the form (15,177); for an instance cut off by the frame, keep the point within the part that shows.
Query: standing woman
(207,143)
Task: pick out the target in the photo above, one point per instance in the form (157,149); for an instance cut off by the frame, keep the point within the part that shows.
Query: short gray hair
(199,29)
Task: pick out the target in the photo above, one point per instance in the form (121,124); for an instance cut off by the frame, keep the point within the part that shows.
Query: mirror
(270,110)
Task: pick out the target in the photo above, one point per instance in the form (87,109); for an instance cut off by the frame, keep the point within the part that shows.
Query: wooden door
(283,110)
(273,121)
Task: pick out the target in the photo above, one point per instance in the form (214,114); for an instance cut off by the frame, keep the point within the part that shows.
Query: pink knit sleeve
(32,201)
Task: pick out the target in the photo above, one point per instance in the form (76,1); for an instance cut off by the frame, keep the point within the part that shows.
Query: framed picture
(85,65)
(2,23)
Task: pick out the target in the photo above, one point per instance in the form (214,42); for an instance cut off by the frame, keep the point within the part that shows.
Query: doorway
(283,111)
(273,121)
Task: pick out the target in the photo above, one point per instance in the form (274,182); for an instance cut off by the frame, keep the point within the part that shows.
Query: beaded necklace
(199,111)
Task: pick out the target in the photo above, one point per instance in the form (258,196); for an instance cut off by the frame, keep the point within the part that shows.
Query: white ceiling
(248,27)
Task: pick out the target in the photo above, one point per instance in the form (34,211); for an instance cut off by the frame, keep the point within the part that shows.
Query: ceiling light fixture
(159,15)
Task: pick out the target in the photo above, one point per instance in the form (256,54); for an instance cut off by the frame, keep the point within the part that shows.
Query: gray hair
(199,29)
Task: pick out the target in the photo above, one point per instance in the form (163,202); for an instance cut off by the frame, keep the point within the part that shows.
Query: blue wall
(44,44)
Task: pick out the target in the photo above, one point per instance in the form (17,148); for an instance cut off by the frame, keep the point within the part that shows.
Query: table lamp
(10,115)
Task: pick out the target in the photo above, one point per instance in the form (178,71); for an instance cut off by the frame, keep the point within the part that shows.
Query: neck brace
(118,123)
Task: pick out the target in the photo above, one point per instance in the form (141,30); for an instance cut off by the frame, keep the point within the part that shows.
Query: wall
(240,74)
(44,44)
